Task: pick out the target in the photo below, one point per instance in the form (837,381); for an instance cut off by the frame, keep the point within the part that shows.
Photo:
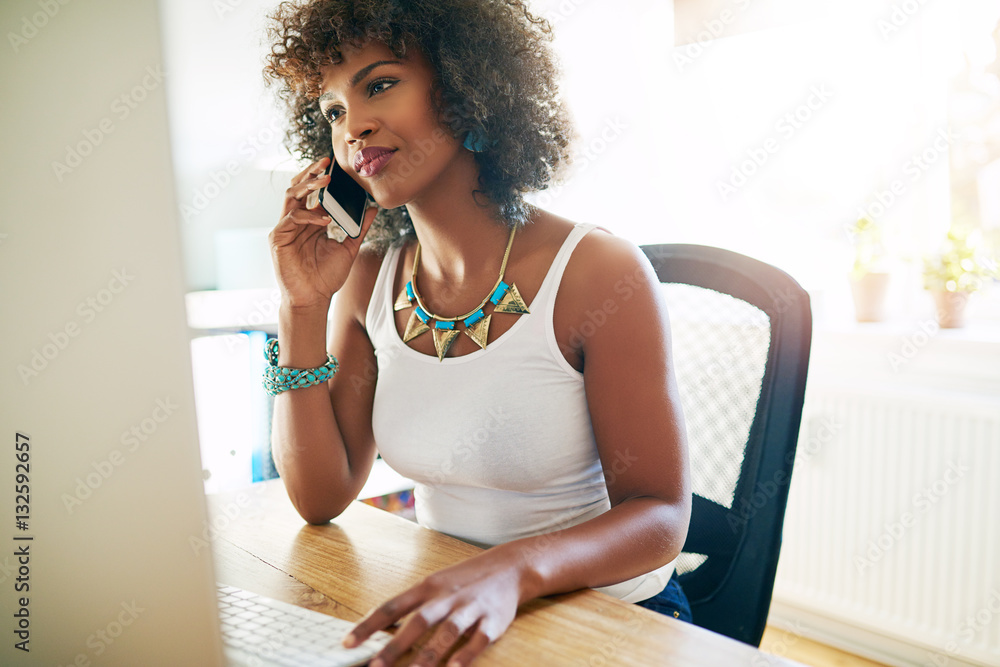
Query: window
(768,127)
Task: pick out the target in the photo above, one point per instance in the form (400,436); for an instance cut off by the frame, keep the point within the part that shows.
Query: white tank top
(498,442)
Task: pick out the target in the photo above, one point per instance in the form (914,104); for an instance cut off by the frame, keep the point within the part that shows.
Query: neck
(460,239)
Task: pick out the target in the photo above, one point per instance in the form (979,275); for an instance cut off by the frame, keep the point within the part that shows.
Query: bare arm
(636,416)
(324,459)
(322,440)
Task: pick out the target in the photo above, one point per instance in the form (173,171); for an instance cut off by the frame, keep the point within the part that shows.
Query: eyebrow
(359,75)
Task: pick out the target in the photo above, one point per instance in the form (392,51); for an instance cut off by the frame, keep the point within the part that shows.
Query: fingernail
(350,641)
(377,662)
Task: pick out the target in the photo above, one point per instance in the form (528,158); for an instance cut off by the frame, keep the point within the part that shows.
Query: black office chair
(741,336)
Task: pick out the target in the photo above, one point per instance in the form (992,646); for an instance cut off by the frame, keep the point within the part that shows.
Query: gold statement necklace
(505,299)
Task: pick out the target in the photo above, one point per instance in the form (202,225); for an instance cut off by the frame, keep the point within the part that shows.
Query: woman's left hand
(477,598)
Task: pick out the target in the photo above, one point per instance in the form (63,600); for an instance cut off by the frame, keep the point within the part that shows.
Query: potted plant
(869,279)
(955,273)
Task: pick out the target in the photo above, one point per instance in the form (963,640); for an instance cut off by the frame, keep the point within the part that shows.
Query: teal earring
(475,141)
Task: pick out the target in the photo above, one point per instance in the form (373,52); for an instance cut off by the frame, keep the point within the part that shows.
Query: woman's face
(384,131)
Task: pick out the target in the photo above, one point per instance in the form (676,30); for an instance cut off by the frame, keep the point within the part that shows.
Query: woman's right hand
(310,267)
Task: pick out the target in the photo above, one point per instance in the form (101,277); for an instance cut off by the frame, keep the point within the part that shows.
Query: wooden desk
(366,556)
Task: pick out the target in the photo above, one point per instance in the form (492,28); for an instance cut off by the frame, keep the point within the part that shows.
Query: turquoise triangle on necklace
(405,298)
(445,334)
(416,325)
(479,328)
(507,299)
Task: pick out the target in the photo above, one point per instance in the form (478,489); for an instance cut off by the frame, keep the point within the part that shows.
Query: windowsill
(973,332)
(232,311)
(901,349)
(915,353)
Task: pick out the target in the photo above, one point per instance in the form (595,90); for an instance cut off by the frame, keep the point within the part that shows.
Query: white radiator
(892,532)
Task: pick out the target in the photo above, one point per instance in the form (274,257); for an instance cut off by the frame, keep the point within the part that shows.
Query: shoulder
(369,262)
(597,256)
(606,272)
(607,285)
(357,291)
(601,258)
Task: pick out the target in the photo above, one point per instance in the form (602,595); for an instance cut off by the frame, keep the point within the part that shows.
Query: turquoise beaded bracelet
(278,379)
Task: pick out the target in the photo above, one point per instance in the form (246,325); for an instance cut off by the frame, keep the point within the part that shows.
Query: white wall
(226,134)
(668,135)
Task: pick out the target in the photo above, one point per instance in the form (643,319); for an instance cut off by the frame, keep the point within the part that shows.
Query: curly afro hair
(495,76)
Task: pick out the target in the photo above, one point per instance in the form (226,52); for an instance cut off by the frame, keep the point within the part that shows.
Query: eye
(332,113)
(376,87)
(380,85)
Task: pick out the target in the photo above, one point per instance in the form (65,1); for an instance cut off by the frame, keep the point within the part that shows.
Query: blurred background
(768,127)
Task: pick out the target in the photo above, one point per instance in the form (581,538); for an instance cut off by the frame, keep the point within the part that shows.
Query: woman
(546,429)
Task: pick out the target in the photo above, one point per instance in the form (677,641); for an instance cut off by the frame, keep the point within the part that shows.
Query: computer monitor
(102,501)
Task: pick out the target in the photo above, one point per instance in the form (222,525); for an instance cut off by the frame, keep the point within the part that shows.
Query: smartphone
(344,199)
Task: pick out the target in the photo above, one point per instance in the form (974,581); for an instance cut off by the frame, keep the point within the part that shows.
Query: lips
(370,161)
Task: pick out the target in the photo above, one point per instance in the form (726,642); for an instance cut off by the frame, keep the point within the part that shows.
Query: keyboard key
(278,634)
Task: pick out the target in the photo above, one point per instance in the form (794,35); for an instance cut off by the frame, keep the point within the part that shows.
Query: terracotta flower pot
(869,296)
(950,308)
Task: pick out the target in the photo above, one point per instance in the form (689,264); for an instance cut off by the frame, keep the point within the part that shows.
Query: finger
(297,193)
(449,632)
(477,644)
(312,199)
(292,226)
(413,629)
(381,618)
(303,217)
(291,232)
(319,166)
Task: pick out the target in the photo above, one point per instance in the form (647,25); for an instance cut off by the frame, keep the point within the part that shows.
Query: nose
(359,126)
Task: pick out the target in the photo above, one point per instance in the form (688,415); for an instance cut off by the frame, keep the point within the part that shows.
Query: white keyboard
(258,631)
